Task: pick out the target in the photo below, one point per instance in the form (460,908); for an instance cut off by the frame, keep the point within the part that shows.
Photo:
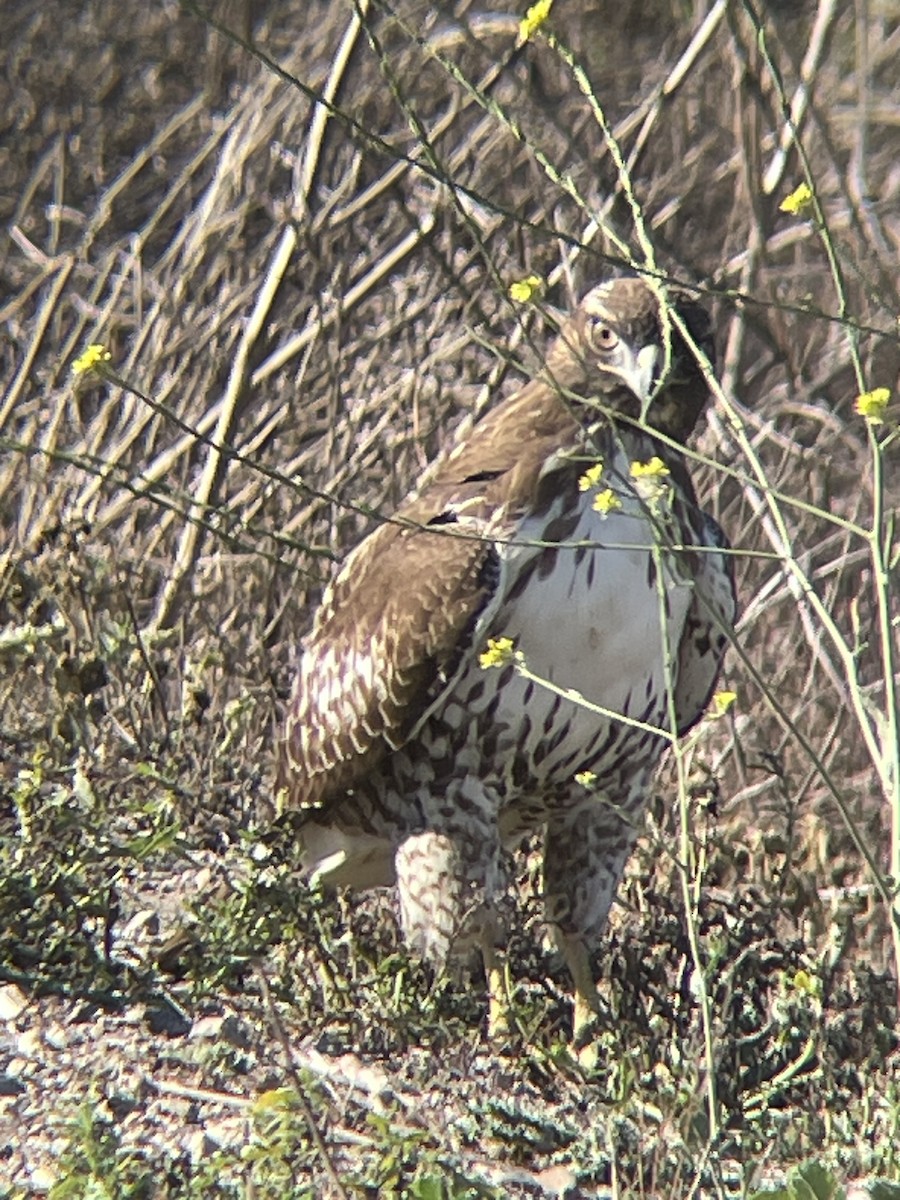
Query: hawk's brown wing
(403,610)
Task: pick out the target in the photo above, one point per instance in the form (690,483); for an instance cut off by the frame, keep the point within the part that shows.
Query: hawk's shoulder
(405,606)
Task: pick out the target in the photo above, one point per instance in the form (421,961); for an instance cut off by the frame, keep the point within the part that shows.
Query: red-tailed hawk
(508,654)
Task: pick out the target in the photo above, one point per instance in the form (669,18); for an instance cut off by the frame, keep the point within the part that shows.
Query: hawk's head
(618,349)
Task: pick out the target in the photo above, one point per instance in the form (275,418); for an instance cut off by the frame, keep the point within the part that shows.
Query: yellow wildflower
(798,203)
(499,652)
(586,778)
(591,477)
(651,482)
(534,19)
(92,357)
(274,1099)
(524,290)
(722,702)
(653,469)
(804,982)
(871,405)
(606,501)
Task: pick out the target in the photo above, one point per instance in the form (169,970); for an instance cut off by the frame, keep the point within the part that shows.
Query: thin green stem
(686,862)
(881,552)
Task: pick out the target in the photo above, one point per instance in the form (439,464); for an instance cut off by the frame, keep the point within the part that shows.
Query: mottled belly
(594,621)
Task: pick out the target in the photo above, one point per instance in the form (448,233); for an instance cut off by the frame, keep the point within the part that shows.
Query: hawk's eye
(603,336)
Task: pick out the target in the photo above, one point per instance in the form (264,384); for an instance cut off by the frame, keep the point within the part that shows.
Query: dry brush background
(302,303)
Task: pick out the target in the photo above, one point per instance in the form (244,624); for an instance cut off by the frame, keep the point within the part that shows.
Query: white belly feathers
(589,621)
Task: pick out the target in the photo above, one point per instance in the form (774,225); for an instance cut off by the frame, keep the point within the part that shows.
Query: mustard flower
(534,18)
(798,203)
(871,405)
(90,359)
(592,476)
(606,502)
(524,290)
(654,469)
(499,652)
(804,982)
(722,702)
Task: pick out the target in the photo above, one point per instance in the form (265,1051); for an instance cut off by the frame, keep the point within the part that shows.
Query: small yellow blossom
(586,778)
(499,652)
(798,203)
(524,290)
(534,19)
(653,469)
(92,357)
(651,482)
(871,405)
(722,702)
(606,501)
(804,982)
(591,478)
(275,1098)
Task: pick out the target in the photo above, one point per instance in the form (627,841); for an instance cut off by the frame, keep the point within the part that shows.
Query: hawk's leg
(497,975)
(449,876)
(584,857)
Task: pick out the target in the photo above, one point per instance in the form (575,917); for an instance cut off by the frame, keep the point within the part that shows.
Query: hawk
(512,652)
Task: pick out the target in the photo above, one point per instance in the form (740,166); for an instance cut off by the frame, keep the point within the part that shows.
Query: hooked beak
(640,374)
